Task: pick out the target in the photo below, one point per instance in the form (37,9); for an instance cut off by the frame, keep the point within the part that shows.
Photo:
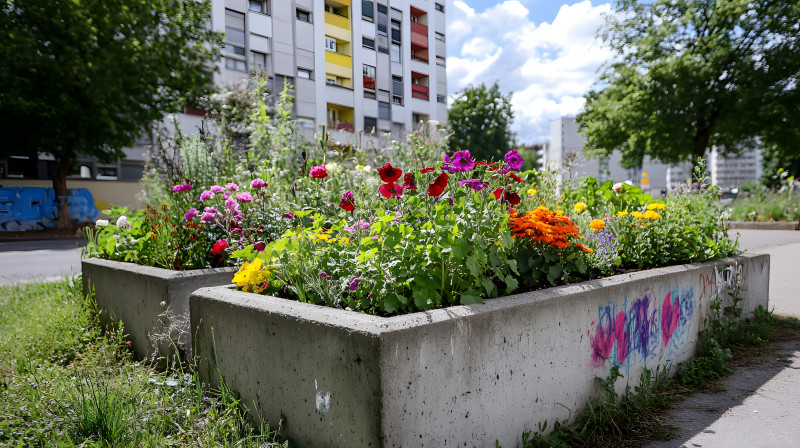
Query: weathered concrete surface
(461,376)
(133,294)
(779,225)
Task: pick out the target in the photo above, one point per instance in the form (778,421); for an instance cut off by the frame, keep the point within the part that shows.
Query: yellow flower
(251,277)
(622,213)
(637,214)
(655,206)
(651,215)
(580,206)
(559,212)
(531,191)
(597,225)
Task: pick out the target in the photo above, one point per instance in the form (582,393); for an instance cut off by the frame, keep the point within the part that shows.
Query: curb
(780,225)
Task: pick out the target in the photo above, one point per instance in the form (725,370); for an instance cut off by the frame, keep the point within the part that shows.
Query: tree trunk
(62,193)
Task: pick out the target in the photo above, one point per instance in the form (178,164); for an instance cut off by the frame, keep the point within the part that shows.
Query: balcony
(419,36)
(341,126)
(339,59)
(369,83)
(419,91)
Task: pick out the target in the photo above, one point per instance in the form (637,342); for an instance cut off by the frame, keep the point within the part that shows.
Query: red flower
(480,162)
(347,202)
(389,174)
(437,187)
(426,170)
(511,197)
(497,193)
(515,177)
(390,190)
(409,182)
(494,168)
(219,246)
(318,172)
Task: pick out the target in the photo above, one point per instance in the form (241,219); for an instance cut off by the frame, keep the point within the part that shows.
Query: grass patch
(634,417)
(65,382)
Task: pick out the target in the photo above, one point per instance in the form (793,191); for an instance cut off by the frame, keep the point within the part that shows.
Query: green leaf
(489,286)
(511,284)
(111,244)
(421,298)
(467,299)
(554,273)
(391,304)
(474,267)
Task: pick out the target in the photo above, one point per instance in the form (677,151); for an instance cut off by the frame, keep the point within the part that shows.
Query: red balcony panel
(419,54)
(369,83)
(418,91)
(419,36)
(344,126)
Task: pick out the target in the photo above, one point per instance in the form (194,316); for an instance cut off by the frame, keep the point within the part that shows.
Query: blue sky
(543,51)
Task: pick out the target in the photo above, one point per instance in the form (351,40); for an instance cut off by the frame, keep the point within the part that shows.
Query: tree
(89,77)
(480,119)
(690,74)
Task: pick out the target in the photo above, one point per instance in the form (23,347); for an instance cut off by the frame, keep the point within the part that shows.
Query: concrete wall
(461,376)
(105,193)
(133,294)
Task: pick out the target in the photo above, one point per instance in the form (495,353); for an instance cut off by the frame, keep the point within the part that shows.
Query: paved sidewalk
(26,261)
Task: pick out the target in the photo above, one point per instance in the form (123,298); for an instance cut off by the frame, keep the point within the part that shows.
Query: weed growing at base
(65,382)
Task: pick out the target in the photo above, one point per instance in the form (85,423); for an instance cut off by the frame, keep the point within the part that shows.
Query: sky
(544,51)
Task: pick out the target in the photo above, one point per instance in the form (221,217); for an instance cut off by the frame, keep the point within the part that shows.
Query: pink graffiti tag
(670,316)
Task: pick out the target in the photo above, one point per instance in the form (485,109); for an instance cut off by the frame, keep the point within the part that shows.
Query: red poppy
(409,182)
(347,202)
(494,168)
(219,246)
(389,174)
(390,190)
(426,170)
(480,162)
(497,193)
(515,177)
(512,197)
(437,187)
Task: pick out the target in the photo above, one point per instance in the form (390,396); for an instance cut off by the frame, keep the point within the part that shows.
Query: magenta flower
(289,215)
(209,214)
(258,183)
(232,186)
(244,197)
(462,161)
(217,189)
(318,172)
(475,184)
(513,159)
(181,188)
(259,246)
(354,284)
(206,195)
(190,214)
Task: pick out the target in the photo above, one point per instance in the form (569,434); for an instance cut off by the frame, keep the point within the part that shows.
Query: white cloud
(548,66)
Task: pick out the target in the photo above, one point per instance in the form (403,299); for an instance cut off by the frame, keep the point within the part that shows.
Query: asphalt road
(24,261)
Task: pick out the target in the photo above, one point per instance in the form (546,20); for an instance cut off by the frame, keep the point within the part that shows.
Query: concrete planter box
(133,294)
(779,225)
(460,376)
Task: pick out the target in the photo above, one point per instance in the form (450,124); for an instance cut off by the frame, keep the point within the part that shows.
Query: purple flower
(259,246)
(289,215)
(225,197)
(475,184)
(191,213)
(258,183)
(33,385)
(232,186)
(209,214)
(181,188)
(513,159)
(244,197)
(462,161)
(206,195)
(217,189)
(354,284)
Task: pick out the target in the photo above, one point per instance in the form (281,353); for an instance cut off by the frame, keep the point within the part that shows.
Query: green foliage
(763,205)
(66,382)
(481,119)
(777,161)
(695,73)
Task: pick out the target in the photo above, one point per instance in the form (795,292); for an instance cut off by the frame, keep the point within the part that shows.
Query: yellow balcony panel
(338,70)
(337,26)
(339,59)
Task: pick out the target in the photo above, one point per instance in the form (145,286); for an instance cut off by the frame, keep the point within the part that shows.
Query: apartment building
(356,65)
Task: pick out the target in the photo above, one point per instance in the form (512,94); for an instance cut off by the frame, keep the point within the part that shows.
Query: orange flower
(545,226)
(580,246)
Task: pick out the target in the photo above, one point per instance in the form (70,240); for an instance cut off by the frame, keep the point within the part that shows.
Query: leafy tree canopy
(480,119)
(694,73)
(90,76)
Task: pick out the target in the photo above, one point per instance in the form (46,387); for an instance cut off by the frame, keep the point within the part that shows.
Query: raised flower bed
(460,376)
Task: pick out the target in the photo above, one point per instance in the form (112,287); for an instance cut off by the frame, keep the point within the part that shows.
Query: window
(383,50)
(259,61)
(369,77)
(441,99)
(234,33)
(397,100)
(279,82)
(370,124)
(440,61)
(304,73)
(440,36)
(258,6)
(382,9)
(395,31)
(367,10)
(235,49)
(235,64)
(383,20)
(303,16)
(397,85)
(367,42)
(330,81)
(384,112)
(439,7)
(330,44)
(369,95)
(395,54)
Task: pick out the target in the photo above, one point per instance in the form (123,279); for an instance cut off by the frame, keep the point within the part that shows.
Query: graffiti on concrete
(714,283)
(36,208)
(644,328)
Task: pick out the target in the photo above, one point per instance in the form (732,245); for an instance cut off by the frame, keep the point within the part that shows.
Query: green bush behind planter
(469,374)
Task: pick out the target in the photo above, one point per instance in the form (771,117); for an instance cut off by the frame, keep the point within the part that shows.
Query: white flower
(617,186)
(101,223)
(122,221)
(333,168)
